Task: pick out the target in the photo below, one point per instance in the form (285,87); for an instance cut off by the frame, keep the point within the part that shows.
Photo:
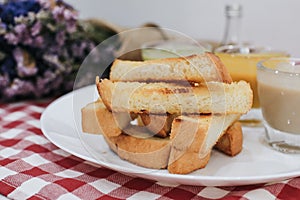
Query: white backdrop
(274,23)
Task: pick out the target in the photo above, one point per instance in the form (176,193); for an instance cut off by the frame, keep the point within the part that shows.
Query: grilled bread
(161,98)
(195,68)
(140,147)
(231,143)
(97,119)
(187,106)
(143,149)
(160,125)
(193,139)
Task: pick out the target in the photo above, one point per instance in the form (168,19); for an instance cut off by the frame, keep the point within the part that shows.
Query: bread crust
(148,152)
(198,68)
(231,143)
(89,120)
(98,120)
(192,100)
(161,98)
(154,152)
(160,125)
(186,162)
(193,139)
(221,67)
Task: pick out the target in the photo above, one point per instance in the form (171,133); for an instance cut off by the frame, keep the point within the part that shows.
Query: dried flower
(13,9)
(42,45)
(36,28)
(4,81)
(11,38)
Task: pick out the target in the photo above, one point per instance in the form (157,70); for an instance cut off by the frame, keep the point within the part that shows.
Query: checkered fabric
(33,168)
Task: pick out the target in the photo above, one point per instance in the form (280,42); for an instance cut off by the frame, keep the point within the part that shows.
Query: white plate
(257,163)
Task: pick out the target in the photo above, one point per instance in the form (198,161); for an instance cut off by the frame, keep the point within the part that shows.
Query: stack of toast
(169,113)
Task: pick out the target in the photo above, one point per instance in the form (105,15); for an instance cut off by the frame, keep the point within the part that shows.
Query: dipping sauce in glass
(279,93)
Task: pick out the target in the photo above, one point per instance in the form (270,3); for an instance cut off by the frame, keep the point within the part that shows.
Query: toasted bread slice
(97,119)
(161,98)
(158,153)
(160,125)
(195,68)
(89,119)
(143,149)
(193,139)
(231,143)
(186,161)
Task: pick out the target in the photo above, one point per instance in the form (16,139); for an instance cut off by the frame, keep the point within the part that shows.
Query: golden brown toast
(187,106)
(153,152)
(146,151)
(199,68)
(193,139)
(97,119)
(160,125)
(231,143)
(161,98)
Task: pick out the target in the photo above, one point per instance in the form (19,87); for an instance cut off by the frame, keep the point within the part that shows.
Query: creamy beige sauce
(280,105)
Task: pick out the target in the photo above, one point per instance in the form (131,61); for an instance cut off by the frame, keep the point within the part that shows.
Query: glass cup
(241,61)
(173,48)
(279,94)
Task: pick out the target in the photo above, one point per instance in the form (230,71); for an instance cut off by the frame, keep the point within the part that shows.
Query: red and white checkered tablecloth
(33,168)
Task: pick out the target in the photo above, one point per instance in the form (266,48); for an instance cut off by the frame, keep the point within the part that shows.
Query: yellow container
(242,66)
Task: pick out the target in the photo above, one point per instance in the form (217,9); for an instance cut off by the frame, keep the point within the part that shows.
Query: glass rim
(196,43)
(261,66)
(245,49)
(233,46)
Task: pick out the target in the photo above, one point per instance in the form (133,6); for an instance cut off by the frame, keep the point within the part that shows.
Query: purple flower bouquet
(42,45)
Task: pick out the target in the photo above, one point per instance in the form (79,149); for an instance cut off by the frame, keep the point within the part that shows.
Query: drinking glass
(279,94)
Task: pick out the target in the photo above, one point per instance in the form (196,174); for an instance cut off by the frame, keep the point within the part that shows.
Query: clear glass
(173,48)
(278,82)
(233,15)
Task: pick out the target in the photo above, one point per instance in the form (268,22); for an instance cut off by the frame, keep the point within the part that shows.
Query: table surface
(31,167)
